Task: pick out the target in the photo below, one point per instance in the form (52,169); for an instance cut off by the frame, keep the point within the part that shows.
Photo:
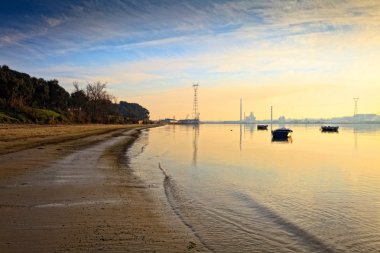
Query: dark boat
(262,127)
(329,128)
(281,133)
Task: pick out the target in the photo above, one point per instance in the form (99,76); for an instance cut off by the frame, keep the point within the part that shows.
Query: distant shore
(66,188)
(290,123)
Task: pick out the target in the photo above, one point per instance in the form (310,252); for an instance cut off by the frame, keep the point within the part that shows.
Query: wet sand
(79,195)
(14,137)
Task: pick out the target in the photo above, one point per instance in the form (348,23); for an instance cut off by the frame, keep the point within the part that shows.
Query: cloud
(152,47)
(86,25)
(55,21)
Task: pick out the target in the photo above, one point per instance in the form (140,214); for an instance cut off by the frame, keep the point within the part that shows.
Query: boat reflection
(283,140)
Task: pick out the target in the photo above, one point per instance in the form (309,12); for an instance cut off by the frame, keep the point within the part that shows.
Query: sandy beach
(68,190)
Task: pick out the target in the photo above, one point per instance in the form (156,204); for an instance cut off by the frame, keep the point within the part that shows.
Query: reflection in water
(282,140)
(359,129)
(249,127)
(330,132)
(195,144)
(240,140)
(315,195)
(362,128)
(243,128)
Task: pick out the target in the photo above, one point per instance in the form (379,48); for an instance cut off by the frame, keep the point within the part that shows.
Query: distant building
(250,118)
(281,120)
(167,121)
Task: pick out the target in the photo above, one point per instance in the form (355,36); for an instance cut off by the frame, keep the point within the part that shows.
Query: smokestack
(271,117)
(241,110)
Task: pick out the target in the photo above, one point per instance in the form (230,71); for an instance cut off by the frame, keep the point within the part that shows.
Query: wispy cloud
(153,47)
(55,21)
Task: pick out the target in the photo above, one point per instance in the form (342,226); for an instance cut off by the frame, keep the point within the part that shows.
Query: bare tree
(97,91)
(76,86)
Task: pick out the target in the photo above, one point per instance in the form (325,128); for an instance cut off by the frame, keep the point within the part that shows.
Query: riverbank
(78,195)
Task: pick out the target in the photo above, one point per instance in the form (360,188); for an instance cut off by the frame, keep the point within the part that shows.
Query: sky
(307,59)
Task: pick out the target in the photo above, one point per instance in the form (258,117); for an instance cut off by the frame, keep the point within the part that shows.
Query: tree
(58,96)
(22,94)
(41,94)
(97,91)
(133,111)
(78,98)
(100,108)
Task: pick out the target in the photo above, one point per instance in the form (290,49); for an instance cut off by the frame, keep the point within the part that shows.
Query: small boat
(282,133)
(329,128)
(262,127)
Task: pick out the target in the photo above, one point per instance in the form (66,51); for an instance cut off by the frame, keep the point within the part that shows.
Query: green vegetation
(7,119)
(25,99)
(32,115)
(47,116)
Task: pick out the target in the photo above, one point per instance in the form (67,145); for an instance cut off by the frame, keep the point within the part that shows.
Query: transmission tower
(195,103)
(356,106)
(241,110)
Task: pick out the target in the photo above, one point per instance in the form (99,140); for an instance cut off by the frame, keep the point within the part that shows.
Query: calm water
(240,192)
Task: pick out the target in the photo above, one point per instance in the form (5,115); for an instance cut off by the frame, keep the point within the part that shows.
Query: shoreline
(16,137)
(83,198)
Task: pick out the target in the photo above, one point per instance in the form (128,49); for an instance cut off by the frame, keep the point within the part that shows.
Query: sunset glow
(306,58)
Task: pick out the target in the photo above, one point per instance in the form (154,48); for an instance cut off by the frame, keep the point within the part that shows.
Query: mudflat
(74,192)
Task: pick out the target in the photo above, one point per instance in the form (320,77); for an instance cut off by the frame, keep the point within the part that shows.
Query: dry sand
(77,195)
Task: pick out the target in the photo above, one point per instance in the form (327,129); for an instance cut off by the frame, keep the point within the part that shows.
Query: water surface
(240,191)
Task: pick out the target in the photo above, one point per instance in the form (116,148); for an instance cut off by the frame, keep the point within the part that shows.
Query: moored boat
(262,127)
(281,133)
(329,128)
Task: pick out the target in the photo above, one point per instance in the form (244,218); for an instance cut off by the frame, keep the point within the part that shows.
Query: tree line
(25,99)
